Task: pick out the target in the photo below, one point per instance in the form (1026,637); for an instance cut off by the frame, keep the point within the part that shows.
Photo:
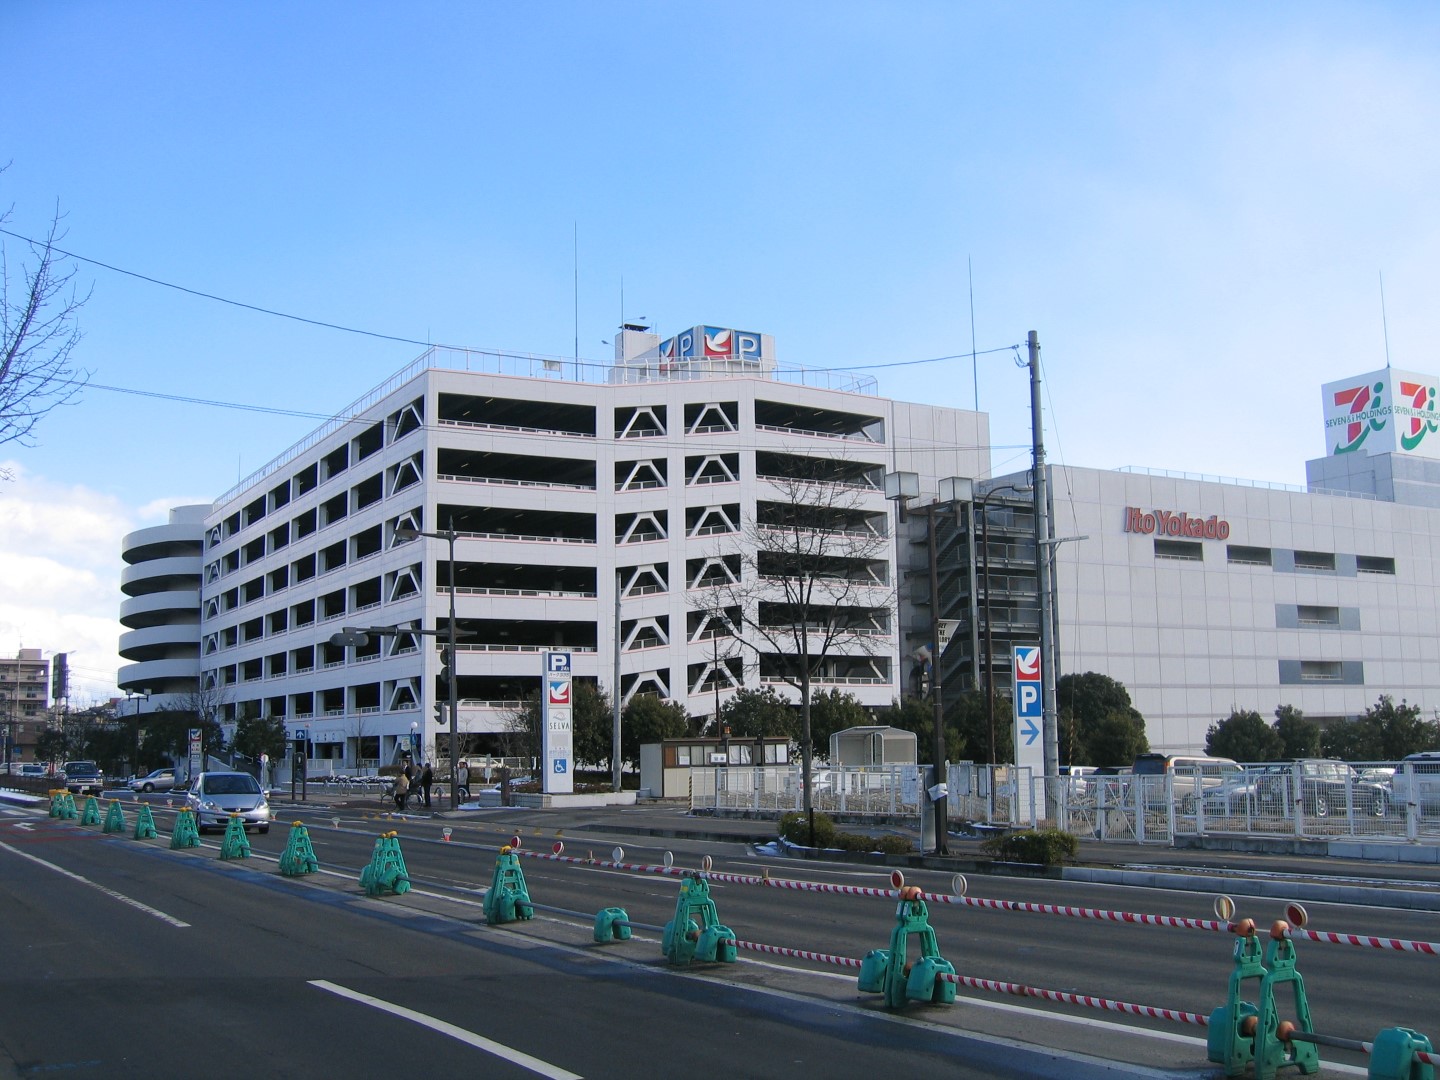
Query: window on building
(1315,560)
(1374,564)
(1184,550)
(1318,616)
(1320,671)
(1239,555)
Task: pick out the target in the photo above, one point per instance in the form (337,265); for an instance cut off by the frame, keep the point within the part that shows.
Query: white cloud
(60,572)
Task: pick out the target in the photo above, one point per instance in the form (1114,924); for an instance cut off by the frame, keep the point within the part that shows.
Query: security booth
(874,745)
(665,766)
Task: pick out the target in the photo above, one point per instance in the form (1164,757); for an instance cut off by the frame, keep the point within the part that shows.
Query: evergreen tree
(647,719)
(1244,736)
(1299,737)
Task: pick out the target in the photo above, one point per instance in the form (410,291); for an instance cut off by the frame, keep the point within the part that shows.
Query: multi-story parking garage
(161,609)
(591,506)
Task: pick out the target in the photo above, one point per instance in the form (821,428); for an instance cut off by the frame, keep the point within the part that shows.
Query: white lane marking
(146,908)
(516,1057)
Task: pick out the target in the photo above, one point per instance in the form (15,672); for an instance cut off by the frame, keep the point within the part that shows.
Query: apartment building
(24,699)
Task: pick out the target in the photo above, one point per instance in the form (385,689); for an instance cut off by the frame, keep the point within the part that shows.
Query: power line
(404,340)
(219,299)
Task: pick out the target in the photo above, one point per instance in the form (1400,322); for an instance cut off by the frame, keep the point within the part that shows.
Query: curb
(1314,891)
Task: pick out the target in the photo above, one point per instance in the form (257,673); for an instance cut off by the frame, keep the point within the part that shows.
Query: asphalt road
(102,985)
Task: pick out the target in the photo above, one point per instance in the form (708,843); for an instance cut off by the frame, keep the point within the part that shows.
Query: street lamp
(134,697)
(403,534)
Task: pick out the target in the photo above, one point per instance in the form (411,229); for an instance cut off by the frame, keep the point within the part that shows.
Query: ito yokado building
(591,504)
(1205,595)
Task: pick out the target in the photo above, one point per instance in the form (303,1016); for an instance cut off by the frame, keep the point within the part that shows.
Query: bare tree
(39,307)
(813,597)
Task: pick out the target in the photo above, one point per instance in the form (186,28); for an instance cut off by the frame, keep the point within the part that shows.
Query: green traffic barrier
(115,819)
(298,858)
(684,939)
(236,844)
(144,823)
(1274,1047)
(508,898)
(1230,1039)
(184,834)
(888,972)
(612,924)
(1392,1056)
(386,872)
(91,816)
(1244,1034)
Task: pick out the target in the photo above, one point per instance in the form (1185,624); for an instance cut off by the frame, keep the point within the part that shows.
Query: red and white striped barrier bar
(1021,990)
(799,954)
(1172,921)
(1014,989)
(1366,941)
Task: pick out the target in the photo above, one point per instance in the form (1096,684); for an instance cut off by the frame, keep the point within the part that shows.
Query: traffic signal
(440,713)
(60,676)
(445,673)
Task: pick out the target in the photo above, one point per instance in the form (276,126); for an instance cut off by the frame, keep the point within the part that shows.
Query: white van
(1417,780)
(1210,771)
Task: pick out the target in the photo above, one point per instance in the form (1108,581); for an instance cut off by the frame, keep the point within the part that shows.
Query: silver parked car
(214,796)
(159,780)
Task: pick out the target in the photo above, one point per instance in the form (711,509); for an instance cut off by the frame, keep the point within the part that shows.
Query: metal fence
(980,793)
(1311,800)
(879,790)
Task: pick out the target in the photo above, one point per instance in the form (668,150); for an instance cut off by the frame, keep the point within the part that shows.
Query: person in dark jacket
(427,777)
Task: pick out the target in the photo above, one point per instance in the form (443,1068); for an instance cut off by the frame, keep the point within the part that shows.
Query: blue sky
(1191,203)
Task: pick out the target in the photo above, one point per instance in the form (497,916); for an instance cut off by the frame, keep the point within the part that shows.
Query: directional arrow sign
(1025,671)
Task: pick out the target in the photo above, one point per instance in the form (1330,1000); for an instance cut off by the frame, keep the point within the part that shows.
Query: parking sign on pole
(1029,724)
(557,740)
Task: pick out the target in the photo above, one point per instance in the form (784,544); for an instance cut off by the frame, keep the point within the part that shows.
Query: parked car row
(1223,788)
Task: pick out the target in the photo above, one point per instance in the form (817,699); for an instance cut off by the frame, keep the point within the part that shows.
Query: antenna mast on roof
(1384,322)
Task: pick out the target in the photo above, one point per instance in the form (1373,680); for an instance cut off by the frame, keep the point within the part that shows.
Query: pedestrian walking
(427,777)
(463,779)
(402,791)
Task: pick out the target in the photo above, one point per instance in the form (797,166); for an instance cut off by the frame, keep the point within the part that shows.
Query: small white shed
(874,745)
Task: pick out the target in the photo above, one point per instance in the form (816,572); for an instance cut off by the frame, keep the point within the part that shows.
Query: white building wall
(933,441)
(1192,641)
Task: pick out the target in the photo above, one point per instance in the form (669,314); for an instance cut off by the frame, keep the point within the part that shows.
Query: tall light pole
(402,534)
(134,696)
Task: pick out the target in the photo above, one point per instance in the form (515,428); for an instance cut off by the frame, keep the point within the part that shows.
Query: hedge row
(795,827)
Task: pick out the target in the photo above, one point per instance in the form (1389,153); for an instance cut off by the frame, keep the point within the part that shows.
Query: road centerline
(515,1057)
(112,893)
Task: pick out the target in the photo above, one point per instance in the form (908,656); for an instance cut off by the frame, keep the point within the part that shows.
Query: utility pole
(942,827)
(1050,731)
(615,690)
